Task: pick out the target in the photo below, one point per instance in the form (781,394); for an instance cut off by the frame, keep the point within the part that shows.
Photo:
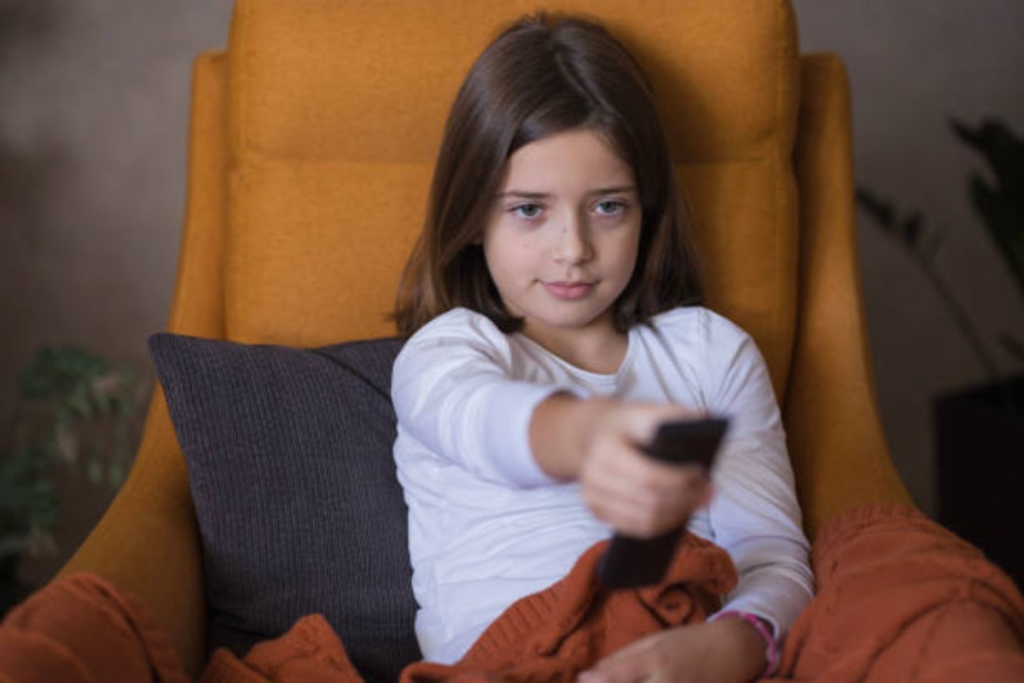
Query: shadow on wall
(21,19)
(27,169)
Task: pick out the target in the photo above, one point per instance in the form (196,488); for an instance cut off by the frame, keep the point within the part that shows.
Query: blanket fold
(310,651)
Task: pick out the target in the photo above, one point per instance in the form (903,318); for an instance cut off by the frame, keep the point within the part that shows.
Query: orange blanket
(899,598)
(83,628)
(549,636)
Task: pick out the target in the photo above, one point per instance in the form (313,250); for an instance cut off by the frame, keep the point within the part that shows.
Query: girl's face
(562,238)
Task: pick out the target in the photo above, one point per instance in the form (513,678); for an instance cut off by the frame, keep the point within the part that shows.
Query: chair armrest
(148,543)
(836,439)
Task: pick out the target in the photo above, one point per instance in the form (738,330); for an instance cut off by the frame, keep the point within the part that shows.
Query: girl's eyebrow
(623,189)
(522,194)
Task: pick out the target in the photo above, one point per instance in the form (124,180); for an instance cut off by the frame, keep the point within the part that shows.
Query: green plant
(75,413)
(1000,205)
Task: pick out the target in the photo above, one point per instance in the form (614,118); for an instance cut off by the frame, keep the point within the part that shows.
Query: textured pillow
(289,459)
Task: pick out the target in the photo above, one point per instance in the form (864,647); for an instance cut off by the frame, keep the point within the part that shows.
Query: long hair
(542,76)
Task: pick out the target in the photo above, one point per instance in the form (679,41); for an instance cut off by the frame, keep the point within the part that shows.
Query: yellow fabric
(317,249)
(365,81)
(311,144)
(836,441)
(198,305)
(745,236)
(336,112)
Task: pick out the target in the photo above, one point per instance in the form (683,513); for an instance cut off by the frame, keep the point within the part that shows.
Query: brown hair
(542,76)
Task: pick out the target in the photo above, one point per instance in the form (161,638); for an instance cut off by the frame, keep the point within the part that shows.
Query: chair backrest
(335,114)
(311,148)
(312,144)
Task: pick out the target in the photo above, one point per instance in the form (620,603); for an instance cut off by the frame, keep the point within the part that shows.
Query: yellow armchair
(311,147)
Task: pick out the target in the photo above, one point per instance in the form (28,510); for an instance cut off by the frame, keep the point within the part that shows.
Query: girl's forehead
(569,159)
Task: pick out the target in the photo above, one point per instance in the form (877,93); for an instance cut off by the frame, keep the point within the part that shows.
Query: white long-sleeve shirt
(487,526)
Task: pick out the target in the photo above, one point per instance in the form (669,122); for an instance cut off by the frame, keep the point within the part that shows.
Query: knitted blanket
(899,599)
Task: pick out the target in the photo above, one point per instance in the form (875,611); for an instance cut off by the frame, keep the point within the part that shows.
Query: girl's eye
(610,207)
(527,210)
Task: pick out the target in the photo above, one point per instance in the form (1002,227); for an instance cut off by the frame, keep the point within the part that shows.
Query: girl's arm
(755,515)
(724,651)
(456,402)
(455,399)
(598,441)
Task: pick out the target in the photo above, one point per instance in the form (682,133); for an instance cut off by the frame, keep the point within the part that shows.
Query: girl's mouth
(568,291)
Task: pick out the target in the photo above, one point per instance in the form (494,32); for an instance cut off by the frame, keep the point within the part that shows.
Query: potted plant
(75,414)
(979,430)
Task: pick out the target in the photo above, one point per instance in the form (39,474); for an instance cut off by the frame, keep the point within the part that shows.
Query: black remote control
(632,562)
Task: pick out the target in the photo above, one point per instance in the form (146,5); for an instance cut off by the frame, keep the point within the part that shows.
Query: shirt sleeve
(454,398)
(755,515)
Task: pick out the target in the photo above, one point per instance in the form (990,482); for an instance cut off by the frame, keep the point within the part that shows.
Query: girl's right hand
(636,495)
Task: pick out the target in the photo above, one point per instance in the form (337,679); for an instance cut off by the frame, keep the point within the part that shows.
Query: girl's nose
(573,245)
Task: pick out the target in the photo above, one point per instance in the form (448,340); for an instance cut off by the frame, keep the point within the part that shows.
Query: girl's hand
(635,495)
(724,651)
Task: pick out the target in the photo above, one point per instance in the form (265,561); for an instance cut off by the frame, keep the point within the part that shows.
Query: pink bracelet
(772,650)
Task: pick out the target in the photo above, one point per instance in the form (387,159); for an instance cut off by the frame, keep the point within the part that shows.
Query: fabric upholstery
(290,468)
(335,122)
(198,304)
(836,441)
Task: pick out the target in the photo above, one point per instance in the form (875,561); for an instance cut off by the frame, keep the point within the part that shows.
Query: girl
(552,306)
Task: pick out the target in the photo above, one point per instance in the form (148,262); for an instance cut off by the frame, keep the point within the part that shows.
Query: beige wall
(93,119)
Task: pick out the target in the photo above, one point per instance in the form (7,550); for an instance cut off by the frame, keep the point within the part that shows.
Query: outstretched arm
(598,441)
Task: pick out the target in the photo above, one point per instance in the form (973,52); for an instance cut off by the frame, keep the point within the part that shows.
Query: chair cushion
(289,459)
(336,112)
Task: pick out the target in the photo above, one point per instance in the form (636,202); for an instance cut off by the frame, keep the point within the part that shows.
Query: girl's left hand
(724,651)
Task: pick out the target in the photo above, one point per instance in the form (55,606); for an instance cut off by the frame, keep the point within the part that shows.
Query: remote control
(632,562)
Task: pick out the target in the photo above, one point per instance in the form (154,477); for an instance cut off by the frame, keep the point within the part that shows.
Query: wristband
(772,646)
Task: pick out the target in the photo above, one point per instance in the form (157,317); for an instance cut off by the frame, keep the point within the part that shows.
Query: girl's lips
(569,291)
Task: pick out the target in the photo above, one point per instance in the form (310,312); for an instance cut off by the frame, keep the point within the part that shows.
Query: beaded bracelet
(772,650)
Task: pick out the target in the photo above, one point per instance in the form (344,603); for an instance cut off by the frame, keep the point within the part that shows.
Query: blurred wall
(93,123)
(913,65)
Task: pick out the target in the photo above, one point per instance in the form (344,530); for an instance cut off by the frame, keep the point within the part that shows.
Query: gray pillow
(290,466)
